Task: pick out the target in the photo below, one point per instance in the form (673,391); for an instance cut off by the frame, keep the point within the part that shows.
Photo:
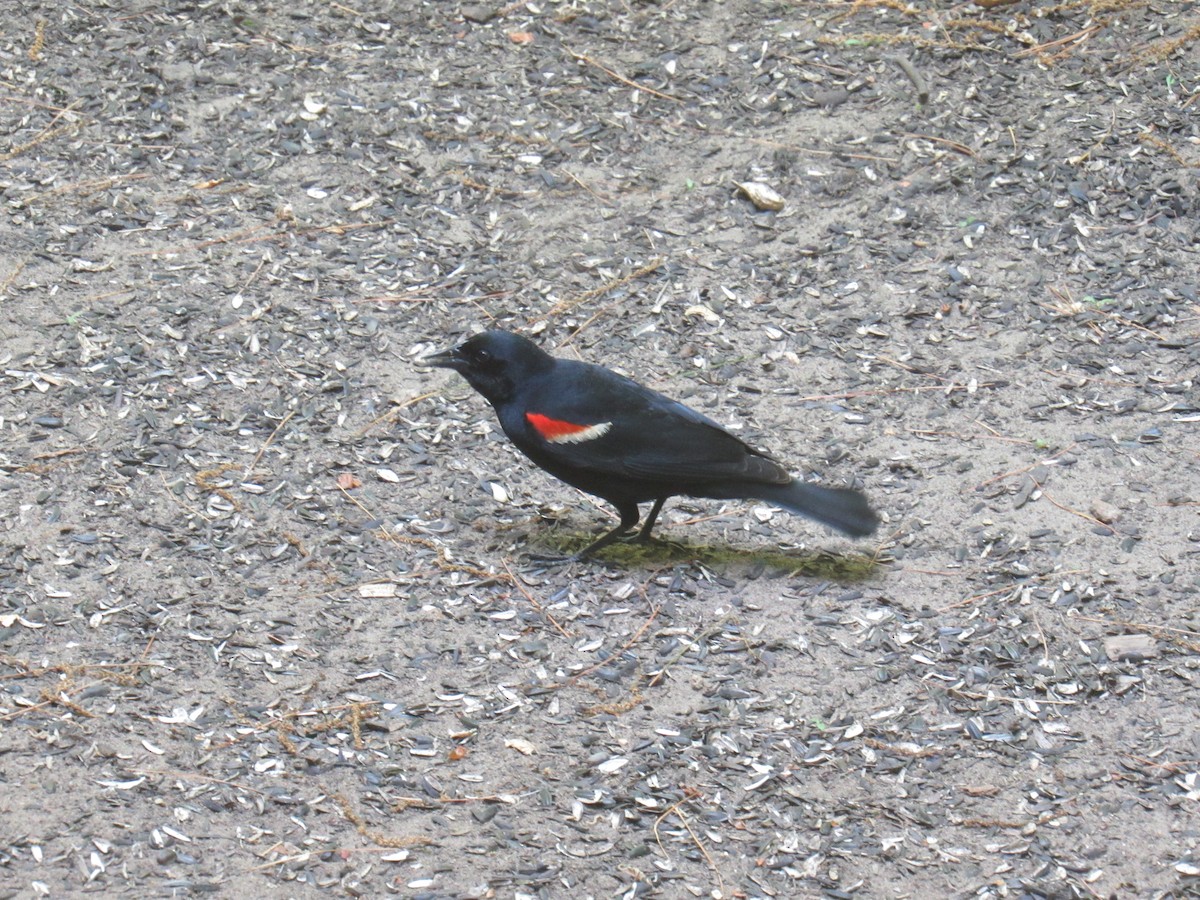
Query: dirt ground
(270,623)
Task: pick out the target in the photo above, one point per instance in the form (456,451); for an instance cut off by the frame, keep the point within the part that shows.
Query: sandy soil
(269,621)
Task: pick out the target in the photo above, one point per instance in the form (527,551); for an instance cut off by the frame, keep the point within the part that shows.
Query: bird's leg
(629,518)
(644,534)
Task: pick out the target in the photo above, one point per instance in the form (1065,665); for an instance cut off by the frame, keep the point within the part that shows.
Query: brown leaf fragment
(981,790)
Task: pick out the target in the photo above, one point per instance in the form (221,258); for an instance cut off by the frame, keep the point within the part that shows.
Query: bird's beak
(445,359)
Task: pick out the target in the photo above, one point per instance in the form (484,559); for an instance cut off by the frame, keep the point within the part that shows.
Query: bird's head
(494,362)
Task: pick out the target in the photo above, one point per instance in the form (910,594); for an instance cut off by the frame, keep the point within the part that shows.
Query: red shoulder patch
(558,431)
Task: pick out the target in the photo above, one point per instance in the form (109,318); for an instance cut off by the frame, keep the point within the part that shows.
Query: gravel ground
(270,623)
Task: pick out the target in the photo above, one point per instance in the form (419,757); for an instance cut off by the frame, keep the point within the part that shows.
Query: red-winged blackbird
(627,444)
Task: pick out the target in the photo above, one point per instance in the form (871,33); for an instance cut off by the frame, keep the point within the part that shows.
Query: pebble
(478,13)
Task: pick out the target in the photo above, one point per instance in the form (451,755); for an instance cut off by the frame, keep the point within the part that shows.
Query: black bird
(611,437)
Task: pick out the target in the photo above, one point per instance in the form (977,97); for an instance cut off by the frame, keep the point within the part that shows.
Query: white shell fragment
(377,591)
(703,312)
(761,195)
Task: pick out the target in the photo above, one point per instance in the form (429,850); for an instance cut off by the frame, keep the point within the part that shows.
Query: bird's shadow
(655,554)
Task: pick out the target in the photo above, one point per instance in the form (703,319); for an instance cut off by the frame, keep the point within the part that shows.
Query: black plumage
(610,436)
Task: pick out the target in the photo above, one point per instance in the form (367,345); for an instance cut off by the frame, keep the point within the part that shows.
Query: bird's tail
(841,508)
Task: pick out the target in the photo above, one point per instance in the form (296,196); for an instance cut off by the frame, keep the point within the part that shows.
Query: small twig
(39,41)
(31,671)
(443,562)
(1074,512)
(910,752)
(629,643)
(887,392)
(12,276)
(254,235)
(1177,635)
(686,648)
(340,852)
(533,600)
(941,573)
(1006,698)
(1071,307)
(1148,137)
(914,76)
(58,454)
(575,178)
(253,275)
(1140,625)
(695,839)
(381,840)
(591,320)
(1042,634)
(207,481)
(196,776)
(796,148)
(392,413)
(1159,51)
(926,432)
(266,444)
(1086,155)
(1175,768)
(816,151)
(953,145)
(621,78)
(567,305)
(967,601)
(50,131)
(1077,37)
(492,189)
(1028,468)
(87,188)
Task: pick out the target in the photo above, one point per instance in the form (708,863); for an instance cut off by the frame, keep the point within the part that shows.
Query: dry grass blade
(49,133)
(622,79)
(676,811)
(376,837)
(533,600)
(566,306)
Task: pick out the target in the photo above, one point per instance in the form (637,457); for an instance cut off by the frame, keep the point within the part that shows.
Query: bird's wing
(597,420)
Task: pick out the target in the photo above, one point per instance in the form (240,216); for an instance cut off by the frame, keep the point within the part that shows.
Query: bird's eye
(481,355)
